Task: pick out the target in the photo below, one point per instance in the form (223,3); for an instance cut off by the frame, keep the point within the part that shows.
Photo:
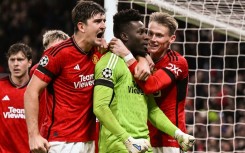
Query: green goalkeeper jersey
(121,106)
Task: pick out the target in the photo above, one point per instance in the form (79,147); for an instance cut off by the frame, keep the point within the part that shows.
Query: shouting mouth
(100,35)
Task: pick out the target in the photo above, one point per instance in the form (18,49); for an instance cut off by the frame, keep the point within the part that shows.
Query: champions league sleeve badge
(44,61)
(107,73)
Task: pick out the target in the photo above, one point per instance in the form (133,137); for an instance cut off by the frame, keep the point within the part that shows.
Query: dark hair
(122,21)
(20,47)
(122,18)
(84,10)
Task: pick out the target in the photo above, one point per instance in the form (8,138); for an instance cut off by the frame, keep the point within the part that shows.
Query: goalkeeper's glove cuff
(185,141)
(178,133)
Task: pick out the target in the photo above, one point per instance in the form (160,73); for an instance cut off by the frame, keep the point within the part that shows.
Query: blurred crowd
(215,113)
(26,21)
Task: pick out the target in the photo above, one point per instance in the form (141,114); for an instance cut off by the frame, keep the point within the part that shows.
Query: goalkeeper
(119,104)
(168,81)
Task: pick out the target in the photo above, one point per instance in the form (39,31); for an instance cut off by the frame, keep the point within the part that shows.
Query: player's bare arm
(31,104)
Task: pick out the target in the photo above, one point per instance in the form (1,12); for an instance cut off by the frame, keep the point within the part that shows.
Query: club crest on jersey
(95,58)
(107,73)
(44,61)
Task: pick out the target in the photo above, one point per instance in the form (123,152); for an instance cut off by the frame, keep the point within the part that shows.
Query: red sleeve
(163,77)
(42,76)
(178,68)
(157,81)
(33,69)
(51,64)
(132,67)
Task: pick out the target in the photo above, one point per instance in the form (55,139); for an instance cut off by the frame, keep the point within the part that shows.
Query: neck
(158,56)
(82,43)
(20,81)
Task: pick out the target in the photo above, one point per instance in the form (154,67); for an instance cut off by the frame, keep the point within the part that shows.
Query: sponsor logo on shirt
(85,81)
(173,68)
(135,89)
(5,98)
(14,113)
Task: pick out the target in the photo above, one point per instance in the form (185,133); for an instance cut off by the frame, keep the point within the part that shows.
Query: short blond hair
(53,35)
(165,19)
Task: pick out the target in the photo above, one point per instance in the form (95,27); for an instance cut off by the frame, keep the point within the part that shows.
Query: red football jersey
(13,133)
(70,74)
(169,87)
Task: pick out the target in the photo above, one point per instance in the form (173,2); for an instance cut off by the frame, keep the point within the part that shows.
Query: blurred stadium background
(213,44)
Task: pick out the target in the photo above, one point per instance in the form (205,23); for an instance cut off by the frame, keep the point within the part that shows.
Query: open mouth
(100,34)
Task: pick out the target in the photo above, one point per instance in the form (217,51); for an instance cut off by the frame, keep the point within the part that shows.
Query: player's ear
(124,37)
(29,63)
(172,39)
(81,26)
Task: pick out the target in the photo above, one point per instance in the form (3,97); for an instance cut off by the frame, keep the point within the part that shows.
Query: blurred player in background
(168,82)
(13,130)
(119,104)
(67,70)
(50,38)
